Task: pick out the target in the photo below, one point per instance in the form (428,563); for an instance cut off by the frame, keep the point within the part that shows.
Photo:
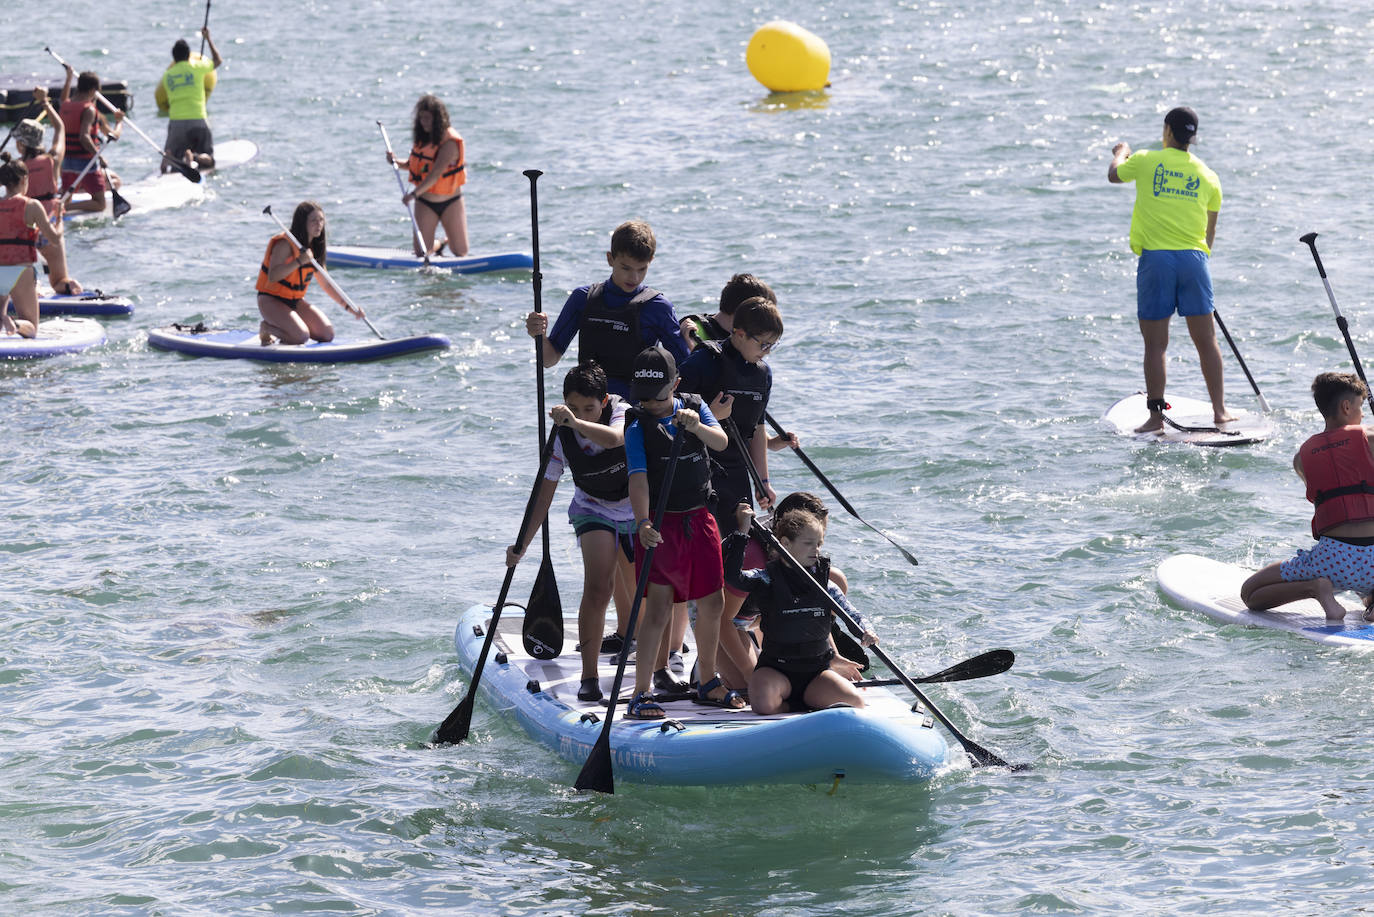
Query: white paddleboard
(172,189)
(55,336)
(1193,415)
(1213,588)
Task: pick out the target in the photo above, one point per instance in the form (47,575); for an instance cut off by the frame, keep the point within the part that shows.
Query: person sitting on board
(438,170)
(84,124)
(22,220)
(697,329)
(798,667)
(734,380)
(614,320)
(188,132)
(589,438)
(1337,465)
(687,561)
(284,276)
(1173,227)
(45,177)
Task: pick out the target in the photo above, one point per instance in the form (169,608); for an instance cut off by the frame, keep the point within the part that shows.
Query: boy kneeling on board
(1338,467)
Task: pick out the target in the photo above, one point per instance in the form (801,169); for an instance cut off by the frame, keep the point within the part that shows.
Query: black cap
(655,372)
(1182,122)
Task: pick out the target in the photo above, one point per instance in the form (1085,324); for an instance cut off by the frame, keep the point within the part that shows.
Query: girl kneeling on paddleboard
(285,274)
(798,665)
(45,178)
(22,219)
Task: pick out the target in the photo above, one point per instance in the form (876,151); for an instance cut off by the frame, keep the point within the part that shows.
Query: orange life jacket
(291,287)
(71,112)
(1340,477)
(422,160)
(18,240)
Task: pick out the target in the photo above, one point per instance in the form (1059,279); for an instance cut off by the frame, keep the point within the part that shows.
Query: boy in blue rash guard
(613,321)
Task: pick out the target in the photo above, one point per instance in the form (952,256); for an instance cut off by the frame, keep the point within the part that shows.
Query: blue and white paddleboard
(884,743)
(163,191)
(243,344)
(1213,588)
(1192,414)
(55,336)
(89,302)
(403,259)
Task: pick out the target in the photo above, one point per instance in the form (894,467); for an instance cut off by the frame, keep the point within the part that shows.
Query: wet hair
(1330,389)
(1182,123)
(181,50)
(13,172)
(802,500)
(587,379)
(87,81)
(758,316)
(635,239)
(793,522)
(438,125)
(299,220)
(743,287)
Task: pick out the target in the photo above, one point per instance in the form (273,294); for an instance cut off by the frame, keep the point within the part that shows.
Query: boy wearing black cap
(1173,227)
(687,562)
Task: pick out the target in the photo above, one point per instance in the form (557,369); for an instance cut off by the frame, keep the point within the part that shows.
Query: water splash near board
(1194,415)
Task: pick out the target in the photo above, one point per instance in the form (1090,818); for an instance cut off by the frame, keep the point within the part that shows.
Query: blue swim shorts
(1169,281)
(1348,566)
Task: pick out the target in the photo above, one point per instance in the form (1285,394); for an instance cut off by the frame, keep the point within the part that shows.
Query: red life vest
(71,112)
(18,240)
(422,160)
(1340,477)
(42,184)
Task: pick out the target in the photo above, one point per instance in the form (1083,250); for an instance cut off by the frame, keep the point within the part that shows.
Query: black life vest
(611,337)
(691,478)
(747,384)
(602,475)
(796,619)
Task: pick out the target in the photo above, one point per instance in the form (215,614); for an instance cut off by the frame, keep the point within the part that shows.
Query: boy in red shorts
(687,562)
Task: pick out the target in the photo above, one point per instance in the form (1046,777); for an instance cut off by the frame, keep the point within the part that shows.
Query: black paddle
(839,497)
(1264,405)
(542,632)
(118,204)
(993,662)
(1311,241)
(454,728)
(203,27)
(597,773)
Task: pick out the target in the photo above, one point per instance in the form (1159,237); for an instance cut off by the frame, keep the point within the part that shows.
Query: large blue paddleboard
(1188,420)
(884,743)
(1213,588)
(90,302)
(55,336)
(243,344)
(404,260)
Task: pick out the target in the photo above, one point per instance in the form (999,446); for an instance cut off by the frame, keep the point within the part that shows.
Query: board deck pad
(55,336)
(1130,412)
(1213,588)
(380,258)
(243,344)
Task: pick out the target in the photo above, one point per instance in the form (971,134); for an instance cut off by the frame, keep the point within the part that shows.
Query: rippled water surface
(230,589)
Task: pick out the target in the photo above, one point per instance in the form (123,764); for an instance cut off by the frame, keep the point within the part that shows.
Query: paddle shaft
(400,183)
(1311,241)
(1264,405)
(597,771)
(839,497)
(205,25)
(533,176)
(322,272)
(454,728)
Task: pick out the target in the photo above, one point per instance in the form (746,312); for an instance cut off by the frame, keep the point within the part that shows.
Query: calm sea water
(229,590)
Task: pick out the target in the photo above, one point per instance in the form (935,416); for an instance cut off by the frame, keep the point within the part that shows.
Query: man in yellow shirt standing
(1173,226)
(188,133)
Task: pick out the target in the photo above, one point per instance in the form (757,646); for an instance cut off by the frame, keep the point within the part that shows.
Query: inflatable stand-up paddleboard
(1213,588)
(87,302)
(402,259)
(160,191)
(243,344)
(55,336)
(1191,423)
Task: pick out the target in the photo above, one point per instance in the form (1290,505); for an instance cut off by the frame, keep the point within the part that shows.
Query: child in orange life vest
(1337,466)
(589,432)
(698,329)
(284,276)
(22,219)
(84,124)
(438,170)
(44,180)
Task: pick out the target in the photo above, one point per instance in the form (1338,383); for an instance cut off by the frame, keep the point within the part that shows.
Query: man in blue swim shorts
(1173,226)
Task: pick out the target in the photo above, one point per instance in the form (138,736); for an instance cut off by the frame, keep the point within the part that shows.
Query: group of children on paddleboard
(643,381)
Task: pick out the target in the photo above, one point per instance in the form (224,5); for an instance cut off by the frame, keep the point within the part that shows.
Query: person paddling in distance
(798,667)
(616,319)
(284,277)
(84,125)
(22,220)
(45,177)
(589,438)
(438,170)
(1337,465)
(188,130)
(1173,226)
(697,329)
(687,563)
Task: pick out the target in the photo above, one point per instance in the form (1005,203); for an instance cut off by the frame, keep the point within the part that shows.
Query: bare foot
(1326,595)
(264,336)
(1223,417)
(1153,425)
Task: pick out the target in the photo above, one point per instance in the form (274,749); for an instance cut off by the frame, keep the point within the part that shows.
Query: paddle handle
(322,272)
(203,26)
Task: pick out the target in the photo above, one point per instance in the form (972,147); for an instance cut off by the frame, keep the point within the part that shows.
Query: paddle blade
(596,774)
(542,632)
(993,662)
(121,205)
(454,728)
(192,174)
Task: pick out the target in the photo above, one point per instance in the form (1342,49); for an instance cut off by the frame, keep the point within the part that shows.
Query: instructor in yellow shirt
(1173,225)
(188,133)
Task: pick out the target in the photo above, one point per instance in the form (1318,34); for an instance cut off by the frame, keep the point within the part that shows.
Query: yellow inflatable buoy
(161,92)
(787,58)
